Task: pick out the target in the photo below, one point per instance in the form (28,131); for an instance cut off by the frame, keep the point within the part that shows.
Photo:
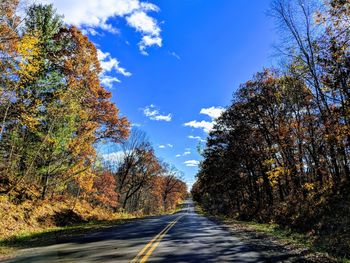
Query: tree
(105,189)
(136,167)
(280,151)
(170,186)
(56,109)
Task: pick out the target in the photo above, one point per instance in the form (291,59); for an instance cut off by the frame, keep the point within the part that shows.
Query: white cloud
(191,163)
(143,23)
(110,65)
(205,125)
(108,81)
(91,31)
(213,112)
(161,117)
(198,138)
(163,146)
(149,7)
(94,14)
(187,152)
(152,112)
(148,27)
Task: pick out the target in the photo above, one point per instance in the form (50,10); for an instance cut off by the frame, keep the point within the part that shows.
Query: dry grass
(29,223)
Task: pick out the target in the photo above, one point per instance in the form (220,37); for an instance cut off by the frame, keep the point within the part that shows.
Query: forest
(54,114)
(280,153)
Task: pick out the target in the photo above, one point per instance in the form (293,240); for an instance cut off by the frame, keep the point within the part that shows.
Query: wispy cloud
(110,65)
(186,152)
(168,145)
(108,81)
(161,117)
(191,163)
(198,138)
(175,55)
(152,112)
(92,15)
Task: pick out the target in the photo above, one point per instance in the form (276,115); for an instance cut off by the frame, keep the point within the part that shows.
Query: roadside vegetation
(54,114)
(280,153)
(271,238)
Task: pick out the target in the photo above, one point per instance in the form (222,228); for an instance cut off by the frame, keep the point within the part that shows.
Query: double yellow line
(144,254)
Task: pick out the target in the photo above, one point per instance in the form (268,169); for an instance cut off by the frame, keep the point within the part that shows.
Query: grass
(52,235)
(284,235)
(28,239)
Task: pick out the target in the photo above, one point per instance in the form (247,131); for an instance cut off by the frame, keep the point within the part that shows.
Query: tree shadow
(192,239)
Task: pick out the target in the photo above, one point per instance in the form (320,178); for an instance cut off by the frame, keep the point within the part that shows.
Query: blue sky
(167,61)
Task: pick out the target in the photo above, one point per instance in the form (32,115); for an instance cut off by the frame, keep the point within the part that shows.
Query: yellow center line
(154,243)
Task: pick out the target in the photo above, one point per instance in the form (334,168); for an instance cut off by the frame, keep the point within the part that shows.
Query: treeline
(141,180)
(54,113)
(281,151)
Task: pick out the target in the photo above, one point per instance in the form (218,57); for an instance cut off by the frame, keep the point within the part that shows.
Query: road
(181,237)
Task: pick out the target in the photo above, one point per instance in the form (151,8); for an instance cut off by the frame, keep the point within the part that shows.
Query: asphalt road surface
(181,237)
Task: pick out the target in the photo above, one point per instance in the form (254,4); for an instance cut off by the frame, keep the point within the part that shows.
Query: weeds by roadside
(273,237)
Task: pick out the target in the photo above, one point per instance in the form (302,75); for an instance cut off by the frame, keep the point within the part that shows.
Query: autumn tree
(59,110)
(104,192)
(280,151)
(136,167)
(170,187)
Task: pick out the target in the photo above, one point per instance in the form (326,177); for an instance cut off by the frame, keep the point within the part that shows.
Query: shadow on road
(193,238)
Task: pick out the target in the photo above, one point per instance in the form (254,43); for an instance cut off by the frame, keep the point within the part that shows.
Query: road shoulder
(272,248)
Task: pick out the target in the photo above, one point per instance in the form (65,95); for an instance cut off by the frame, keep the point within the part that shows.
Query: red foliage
(105,186)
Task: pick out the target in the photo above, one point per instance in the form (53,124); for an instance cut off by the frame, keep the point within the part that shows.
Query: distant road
(182,237)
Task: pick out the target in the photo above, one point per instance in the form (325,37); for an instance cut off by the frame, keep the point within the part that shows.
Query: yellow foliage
(29,53)
(276,173)
(86,180)
(269,162)
(309,186)
(29,121)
